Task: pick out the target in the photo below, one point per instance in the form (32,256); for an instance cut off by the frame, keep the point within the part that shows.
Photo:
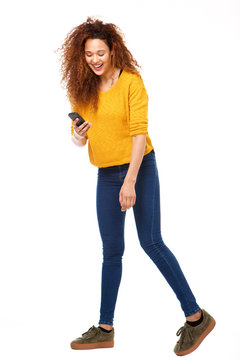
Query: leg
(147,217)
(111,225)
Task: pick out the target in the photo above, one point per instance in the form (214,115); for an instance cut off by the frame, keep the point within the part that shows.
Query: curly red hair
(80,81)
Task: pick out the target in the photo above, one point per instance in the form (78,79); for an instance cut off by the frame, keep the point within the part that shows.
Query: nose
(95,59)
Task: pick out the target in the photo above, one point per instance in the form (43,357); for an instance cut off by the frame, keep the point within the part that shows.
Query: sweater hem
(121,162)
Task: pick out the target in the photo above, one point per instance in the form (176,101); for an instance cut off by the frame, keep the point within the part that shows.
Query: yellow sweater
(122,113)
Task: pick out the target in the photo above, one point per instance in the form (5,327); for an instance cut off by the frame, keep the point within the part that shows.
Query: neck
(112,73)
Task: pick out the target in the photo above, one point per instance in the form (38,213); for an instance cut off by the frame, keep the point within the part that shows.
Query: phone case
(75,115)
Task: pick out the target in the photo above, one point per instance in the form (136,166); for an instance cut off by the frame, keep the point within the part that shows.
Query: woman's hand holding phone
(82,129)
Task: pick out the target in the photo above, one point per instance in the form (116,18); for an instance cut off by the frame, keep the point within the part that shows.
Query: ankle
(105,326)
(194,317)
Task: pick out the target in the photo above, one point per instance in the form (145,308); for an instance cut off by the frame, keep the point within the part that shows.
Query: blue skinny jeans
(147,217)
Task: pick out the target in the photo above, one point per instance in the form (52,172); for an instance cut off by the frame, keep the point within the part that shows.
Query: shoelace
(91,331)
(179,332)
(185,332)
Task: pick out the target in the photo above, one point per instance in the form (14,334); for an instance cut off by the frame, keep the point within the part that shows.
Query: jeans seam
(157,251)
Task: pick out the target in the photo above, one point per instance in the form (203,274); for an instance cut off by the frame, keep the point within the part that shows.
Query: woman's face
(98,56)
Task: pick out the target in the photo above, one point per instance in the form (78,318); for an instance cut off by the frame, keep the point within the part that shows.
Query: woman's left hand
(127,196)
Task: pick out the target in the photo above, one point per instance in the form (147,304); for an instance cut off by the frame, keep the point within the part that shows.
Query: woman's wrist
(77,136)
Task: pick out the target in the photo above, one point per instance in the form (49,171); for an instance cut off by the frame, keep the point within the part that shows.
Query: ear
(113,49)
(112,53)
(111,56)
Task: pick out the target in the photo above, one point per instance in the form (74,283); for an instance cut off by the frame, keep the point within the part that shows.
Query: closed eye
(89,55)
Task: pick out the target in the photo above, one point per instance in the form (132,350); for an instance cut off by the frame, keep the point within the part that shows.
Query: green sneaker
(94,338)
(191,337)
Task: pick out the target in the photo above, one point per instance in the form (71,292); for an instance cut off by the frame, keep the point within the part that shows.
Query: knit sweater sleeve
(138,107)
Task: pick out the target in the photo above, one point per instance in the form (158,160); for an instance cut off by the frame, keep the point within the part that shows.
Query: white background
(51,254)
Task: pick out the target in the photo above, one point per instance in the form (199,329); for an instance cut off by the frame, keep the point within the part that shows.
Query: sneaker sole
(102,344)
(199,340)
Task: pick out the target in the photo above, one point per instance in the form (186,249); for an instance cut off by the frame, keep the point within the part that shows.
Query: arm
(138,124)
(78,140)
(138,148)
(127,195)
(79,134)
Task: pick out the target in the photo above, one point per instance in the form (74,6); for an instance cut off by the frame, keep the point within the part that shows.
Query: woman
(105,87)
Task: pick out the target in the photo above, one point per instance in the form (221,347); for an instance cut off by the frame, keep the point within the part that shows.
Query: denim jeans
(148,222)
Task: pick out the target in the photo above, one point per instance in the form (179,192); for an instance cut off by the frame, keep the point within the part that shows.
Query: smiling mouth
(97,67)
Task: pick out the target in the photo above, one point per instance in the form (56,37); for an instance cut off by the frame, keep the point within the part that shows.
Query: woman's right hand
(82,129)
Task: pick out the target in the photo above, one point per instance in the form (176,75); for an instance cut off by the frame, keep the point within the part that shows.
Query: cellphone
(74,115)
